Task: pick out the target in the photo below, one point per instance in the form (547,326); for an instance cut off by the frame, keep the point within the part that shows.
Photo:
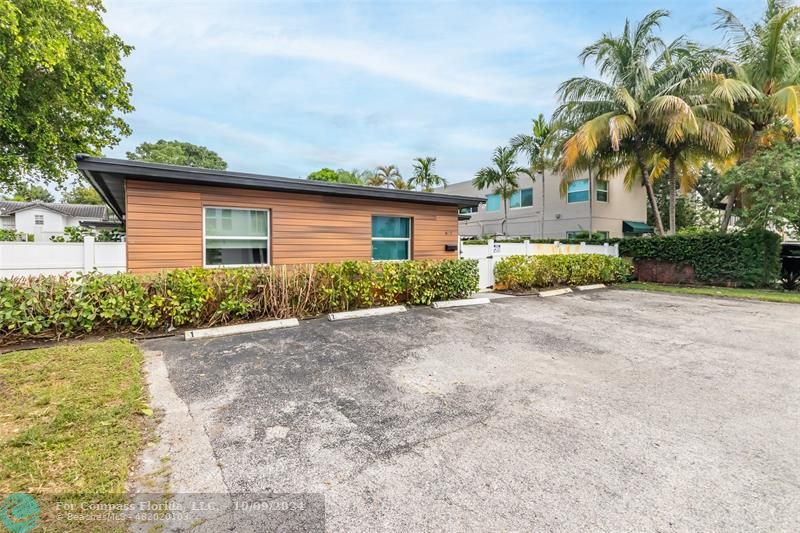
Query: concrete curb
(460,303)
(554,292)
(590,287)
(240,328)
(361,313)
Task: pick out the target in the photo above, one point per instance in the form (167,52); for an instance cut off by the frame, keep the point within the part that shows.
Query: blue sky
(285,88)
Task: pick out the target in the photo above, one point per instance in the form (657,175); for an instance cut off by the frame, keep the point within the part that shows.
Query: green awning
(636,228)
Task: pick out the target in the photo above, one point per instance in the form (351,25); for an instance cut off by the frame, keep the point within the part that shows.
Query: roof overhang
(108,176)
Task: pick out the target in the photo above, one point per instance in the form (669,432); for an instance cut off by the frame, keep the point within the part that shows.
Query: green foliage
(82,194)
(747,259)
(770,183)
(178,153)
(54,307)
(519,272)
(28,192)
(9,235)
(78,233)
(62,86)
(353,177)
(425,176)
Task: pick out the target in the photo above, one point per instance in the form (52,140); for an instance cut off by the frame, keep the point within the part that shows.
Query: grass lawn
(71,421)
(766,295)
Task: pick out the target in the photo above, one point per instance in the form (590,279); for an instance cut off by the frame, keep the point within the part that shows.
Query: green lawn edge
(764,295)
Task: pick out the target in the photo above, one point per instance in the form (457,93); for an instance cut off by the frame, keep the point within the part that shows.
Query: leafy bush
(597,239)
(745,259)
(519,272)
(9,235)
(79,233)
(53,307)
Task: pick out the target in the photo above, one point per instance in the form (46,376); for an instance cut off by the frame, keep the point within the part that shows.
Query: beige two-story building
(539,210)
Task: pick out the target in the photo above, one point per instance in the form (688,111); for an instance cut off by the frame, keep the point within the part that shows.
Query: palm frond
(787,103)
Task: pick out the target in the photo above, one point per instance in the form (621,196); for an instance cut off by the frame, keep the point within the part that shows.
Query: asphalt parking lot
(613,411)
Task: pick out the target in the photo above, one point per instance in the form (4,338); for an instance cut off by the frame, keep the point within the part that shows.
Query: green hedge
(477,242)
(746,259)
(519,272)
(53,307)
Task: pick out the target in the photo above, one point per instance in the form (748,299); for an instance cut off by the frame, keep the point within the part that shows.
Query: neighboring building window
(391,238)
(602,190)
(236,237)
(494,202)
(468,210)
(583,234)
(521,198)
(578,191)
(38,220)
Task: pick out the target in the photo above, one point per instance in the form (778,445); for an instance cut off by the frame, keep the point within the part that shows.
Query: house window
(521,198)
(236,237)
(468,210)
(578,191)
(391,238)
(38,220)
(602,190)
(493,202)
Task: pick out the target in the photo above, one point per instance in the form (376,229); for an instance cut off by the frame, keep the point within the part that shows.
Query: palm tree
(645,110)
(766,57)
(387,173)
(401,185)
(375,180)
(424,174)
(537,147)
(501,178)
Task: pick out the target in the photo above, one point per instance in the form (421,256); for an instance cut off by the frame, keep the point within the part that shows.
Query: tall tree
(352,177)
(178,153)
(82,193)
(387,173)
(766,57)
(502,178)
(537,146)
(643,111)
(425,175)
(28,192)
(62,87)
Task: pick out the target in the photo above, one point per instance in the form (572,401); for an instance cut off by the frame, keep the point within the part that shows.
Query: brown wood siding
(165,225)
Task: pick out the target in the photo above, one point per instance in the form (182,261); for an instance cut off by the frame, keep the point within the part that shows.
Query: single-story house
(44,220)
(179,216)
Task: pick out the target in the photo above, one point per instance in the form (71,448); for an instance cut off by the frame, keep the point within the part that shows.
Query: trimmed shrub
(519,272)
(54,307)
(744,259)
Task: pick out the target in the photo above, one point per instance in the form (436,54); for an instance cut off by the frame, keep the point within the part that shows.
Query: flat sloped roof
(107,175)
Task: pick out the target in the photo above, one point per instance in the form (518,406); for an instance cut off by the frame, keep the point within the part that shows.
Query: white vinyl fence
(488,254)
(35,258)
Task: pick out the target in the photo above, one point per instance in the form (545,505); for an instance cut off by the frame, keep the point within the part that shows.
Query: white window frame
(588,190)
(407,239)
(598,191)
(268,238)
(38,220)
(520,199)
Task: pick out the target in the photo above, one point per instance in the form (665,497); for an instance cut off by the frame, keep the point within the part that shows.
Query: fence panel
(488,254)
(53,258)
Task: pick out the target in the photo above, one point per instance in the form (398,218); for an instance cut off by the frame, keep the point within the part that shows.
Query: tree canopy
(82,193)
(178,153)
(62,87)
(770,184)
(353,177)
(28,192)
